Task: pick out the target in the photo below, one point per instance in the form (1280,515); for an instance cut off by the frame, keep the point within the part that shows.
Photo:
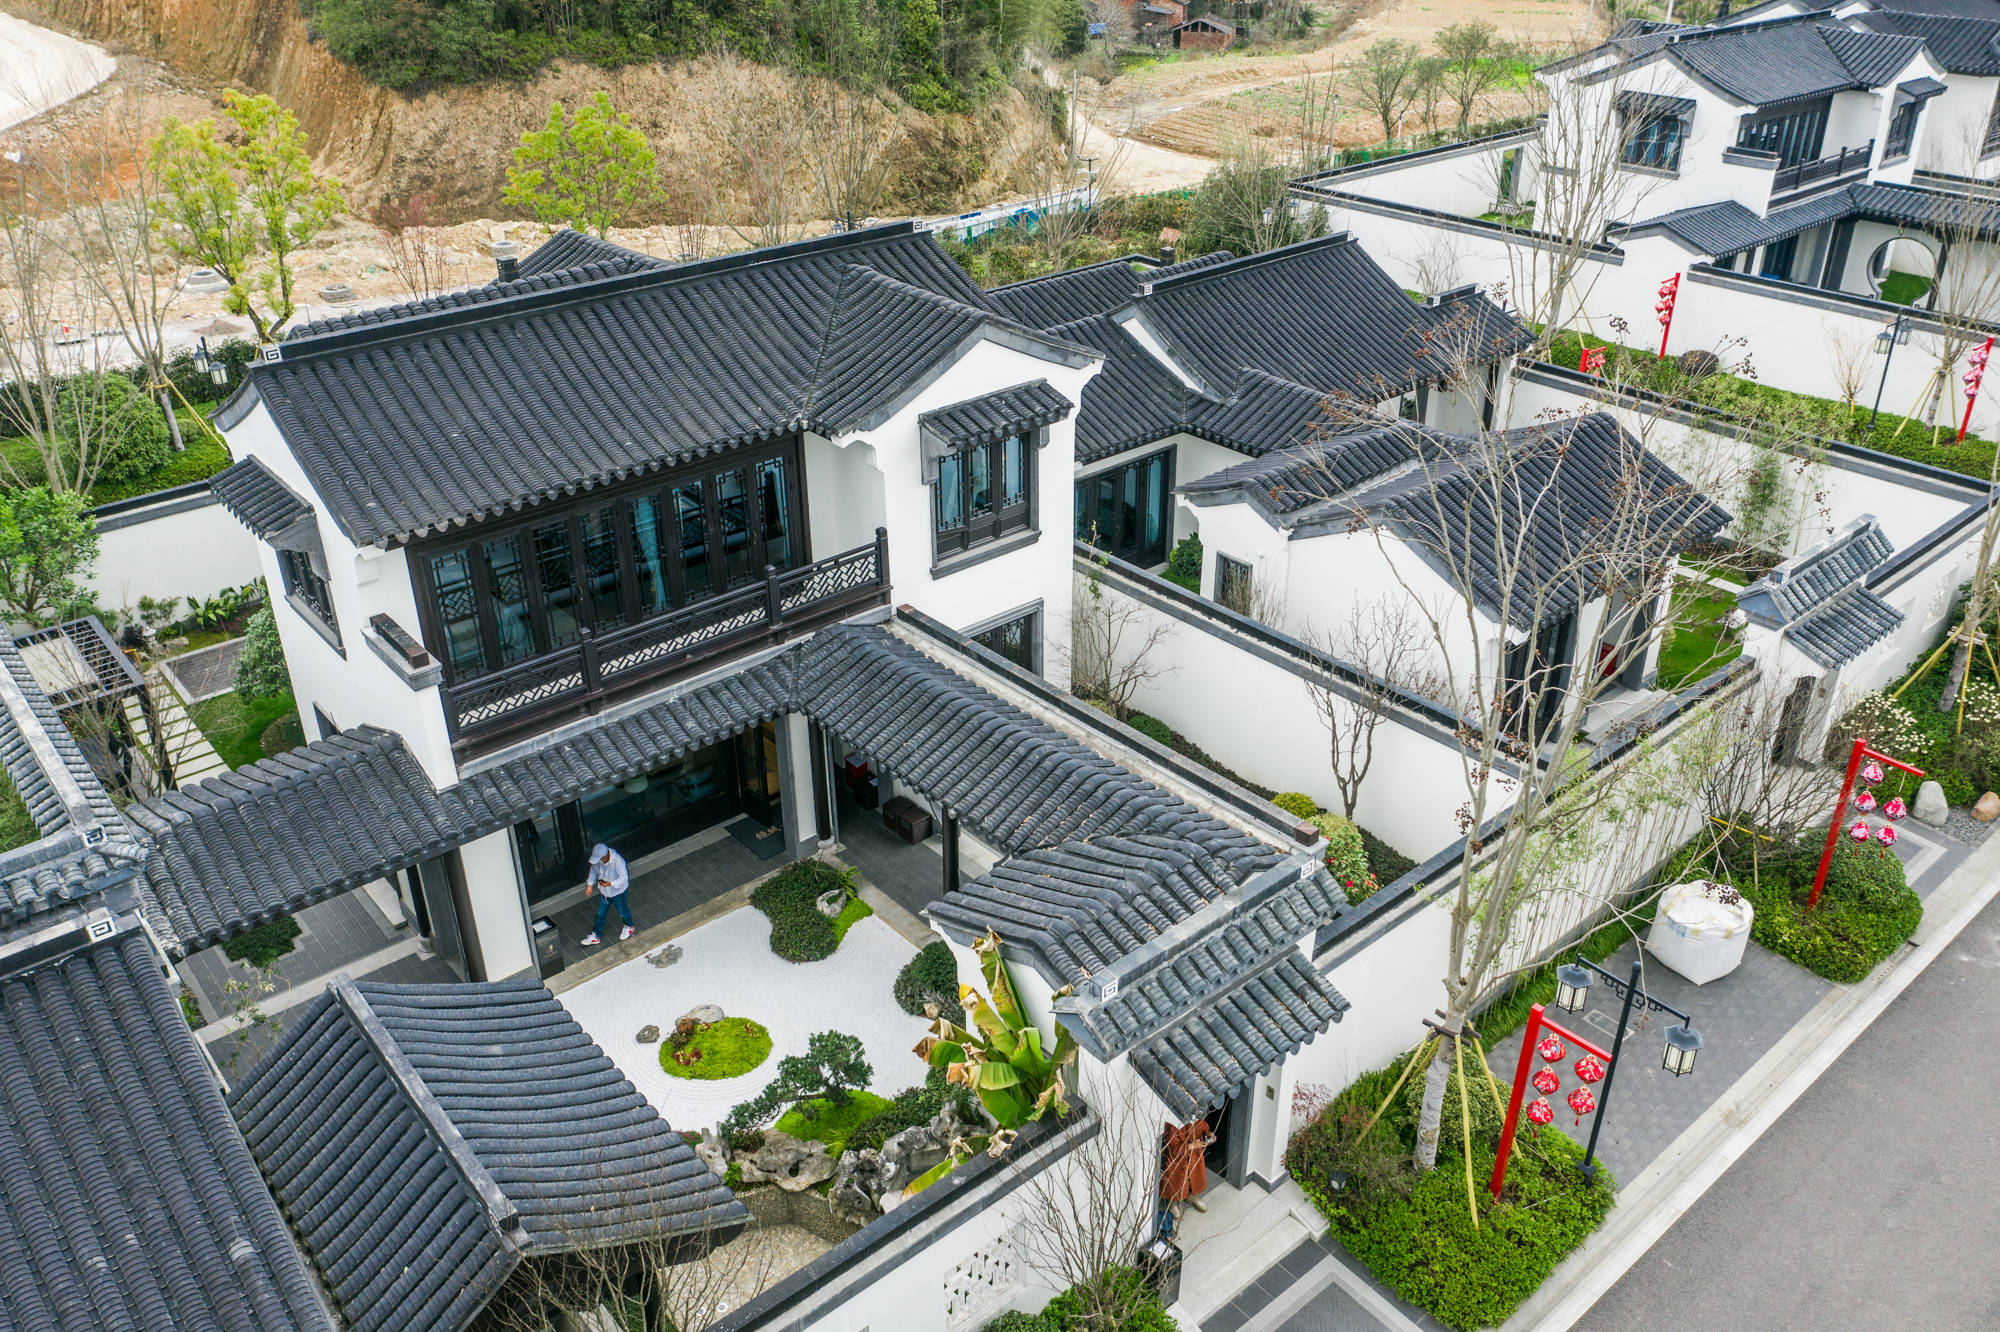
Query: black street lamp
(214,367)
(1683,1042)
(1886,343)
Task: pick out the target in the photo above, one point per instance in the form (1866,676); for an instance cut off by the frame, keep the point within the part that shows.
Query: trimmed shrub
(817,1121)
(265,944)
(1152,728)
(1866,912)
(1346,856)
(1486,1117)
(260,670)
(799,933)
(1133,1305)
(1184,564)
(125,424)
(1296,802)
(930,977)
(912,1107)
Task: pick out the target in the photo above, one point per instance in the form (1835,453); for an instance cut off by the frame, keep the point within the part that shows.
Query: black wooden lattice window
(983,492)
(307,588)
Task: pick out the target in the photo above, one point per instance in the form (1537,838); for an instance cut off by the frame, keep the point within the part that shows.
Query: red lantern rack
(1871,774)
(1973,376)
(1532,1044)
(1670,294)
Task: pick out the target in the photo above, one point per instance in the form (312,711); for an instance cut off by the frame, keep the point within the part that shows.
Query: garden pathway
(729,962)
(187,749)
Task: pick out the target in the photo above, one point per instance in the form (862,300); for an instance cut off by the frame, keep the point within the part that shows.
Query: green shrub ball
(729,1049)
(1296,802)
(799,933)
(930,977)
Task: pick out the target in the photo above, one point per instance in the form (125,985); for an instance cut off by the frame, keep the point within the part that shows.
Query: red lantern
(1887,836)
(1895,809)
(1582,1102)
(1865,802)
(1589,1069)
(1871,772)
(1550,1049)
(1540,1112)
(1546,1081)
(1859,832)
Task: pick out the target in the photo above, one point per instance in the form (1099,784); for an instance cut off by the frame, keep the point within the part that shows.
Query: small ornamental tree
(834,1065)
(589,171)
(261,671)
(47,546)
(245,208)
(126,427)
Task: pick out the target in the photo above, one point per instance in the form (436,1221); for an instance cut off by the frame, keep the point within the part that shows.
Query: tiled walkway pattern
(187,749)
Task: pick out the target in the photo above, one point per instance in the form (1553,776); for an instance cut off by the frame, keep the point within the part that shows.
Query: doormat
(767,843)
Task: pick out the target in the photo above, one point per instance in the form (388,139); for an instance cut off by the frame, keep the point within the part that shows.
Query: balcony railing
(580,678)
(1846,162)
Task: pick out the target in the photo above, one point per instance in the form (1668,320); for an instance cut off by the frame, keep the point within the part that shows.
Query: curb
(1665,1190)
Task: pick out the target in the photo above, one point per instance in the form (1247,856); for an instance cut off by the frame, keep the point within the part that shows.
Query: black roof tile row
(258,498)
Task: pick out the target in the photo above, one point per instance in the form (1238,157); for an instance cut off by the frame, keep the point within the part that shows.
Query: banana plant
(1000,1057)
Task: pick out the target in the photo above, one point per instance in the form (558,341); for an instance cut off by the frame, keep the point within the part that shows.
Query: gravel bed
(1960,824)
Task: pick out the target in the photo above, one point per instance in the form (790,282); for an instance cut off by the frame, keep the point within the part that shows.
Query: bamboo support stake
(1499,1101)
(1465,1121)
(1421,1057)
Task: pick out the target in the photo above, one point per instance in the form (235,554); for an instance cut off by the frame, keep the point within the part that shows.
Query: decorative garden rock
(667,956)
(1699,363)
(908,1154)
(703,1013)
(648,1033)
(857,1187)
(709,1150)
(792,1165)
(1931,807)
(832,902)
(1988,808)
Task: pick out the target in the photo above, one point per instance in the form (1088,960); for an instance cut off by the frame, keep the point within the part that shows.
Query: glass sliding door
(1127,510)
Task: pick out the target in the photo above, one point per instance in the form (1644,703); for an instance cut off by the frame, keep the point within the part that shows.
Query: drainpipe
(950,851)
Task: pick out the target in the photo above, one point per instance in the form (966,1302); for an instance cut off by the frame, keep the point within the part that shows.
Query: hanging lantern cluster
(1862,831)
(1582,1102)
(1546,1081)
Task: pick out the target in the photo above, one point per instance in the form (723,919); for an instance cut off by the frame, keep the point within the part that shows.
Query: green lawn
(1787,414)
(203,458)
(834,1123)
(1699,643)
(1905,288)
(245,730)
(17,826)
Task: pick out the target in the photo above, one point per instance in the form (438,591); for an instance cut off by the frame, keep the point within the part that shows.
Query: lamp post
(1886,343)
(1683,1042)
(214,367)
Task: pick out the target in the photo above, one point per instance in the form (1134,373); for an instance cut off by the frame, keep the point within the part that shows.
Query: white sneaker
(625,934)
(591,941)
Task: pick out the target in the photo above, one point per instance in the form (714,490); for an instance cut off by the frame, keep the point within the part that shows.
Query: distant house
(1155,14)
(1207,33)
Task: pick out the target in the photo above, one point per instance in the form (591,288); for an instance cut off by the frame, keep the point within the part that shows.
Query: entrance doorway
(640,815)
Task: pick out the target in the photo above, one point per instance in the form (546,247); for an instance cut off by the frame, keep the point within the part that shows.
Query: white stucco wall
(1954,140)
(172,549)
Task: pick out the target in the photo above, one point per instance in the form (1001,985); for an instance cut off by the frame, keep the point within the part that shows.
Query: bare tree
(1064,179)
(1116,648)
(1437,260)
(851,127)
(1088,1214)
(767,134)
(1474,63)
(1383,79)
(419,254)
(1427,83)
(1566,522)
(1848,357)
(1379,659)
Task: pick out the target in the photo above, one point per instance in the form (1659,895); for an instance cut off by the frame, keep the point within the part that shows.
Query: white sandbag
(1698,934)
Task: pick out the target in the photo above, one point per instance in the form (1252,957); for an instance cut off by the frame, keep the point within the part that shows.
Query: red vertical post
(1529,1035)
(1670,292)
(1839,815)
(1973,379)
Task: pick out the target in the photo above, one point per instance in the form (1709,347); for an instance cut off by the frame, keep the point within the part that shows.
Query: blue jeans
(604,905)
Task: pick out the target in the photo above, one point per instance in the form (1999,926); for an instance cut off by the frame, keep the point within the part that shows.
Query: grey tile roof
(1321,314)
(1811,578)
(1297,477)
(1725,228)
(1237,1033)
(1984,9)
(1844,627)
(569,248)
(130,1198)
(241,847)
(995,416)
(444,417)
(1654,104)
(85,845)
(1095,289)
(258,498)
(1133,400)
(1565,480)
(424,1139)
(1763,63)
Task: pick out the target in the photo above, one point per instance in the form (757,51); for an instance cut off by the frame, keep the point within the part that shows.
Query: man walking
(608,880)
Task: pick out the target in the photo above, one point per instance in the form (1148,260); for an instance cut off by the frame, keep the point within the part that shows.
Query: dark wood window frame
(958,523)
(1902,129)
(623,500)
(1127,476)
(307,591)
(1795,132)
(1654,140)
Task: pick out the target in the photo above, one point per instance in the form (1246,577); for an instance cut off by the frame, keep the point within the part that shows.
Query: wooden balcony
(577,680)
(1846,162)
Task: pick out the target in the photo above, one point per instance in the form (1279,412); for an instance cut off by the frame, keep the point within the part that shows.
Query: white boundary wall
(178,545)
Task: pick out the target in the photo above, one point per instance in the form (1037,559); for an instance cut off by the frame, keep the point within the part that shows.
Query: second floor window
(306,588)
(1795,135)
(1654,141)
(620,559)
(982,493)
(1902,130)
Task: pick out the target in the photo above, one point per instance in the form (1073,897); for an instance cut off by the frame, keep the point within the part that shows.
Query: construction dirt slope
(457,142)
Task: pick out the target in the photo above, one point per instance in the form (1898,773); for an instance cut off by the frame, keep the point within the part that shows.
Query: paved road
(1873,1202)
(40,69)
